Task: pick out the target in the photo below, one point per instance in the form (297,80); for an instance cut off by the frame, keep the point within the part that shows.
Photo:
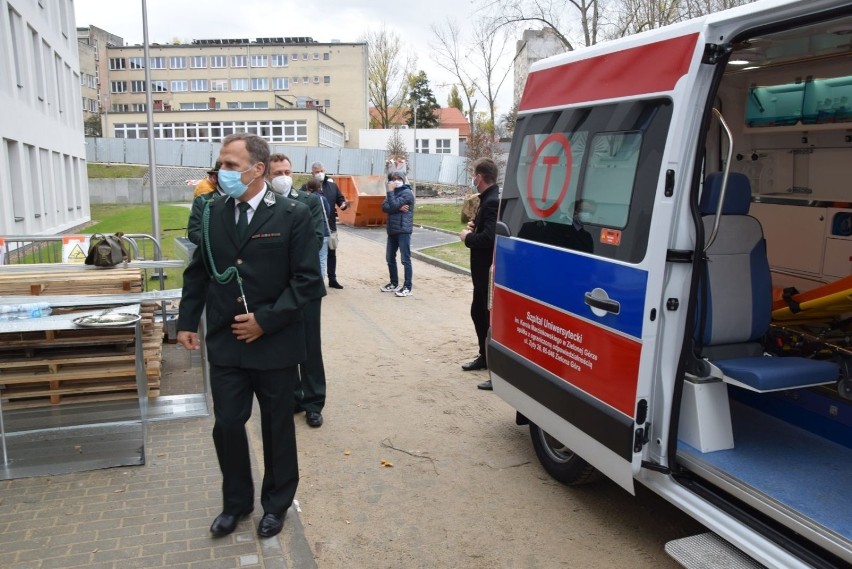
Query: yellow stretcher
(819,304)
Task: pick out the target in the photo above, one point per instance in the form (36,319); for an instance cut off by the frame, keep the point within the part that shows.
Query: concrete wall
(134,191)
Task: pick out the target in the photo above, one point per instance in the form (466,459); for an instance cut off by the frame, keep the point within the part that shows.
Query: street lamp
(414,154)
(152,159)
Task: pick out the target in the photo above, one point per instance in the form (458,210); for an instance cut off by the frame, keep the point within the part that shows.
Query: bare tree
(448,53)
(695,8)
(388,69)
(490,50)
(634,16)
(556,14)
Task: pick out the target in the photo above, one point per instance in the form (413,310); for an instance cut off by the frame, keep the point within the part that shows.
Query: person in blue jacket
(399,205)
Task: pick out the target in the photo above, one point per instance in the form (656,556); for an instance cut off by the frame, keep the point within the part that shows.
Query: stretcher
(822,303)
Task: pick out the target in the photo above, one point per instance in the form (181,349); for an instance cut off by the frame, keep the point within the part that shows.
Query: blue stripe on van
(561,278)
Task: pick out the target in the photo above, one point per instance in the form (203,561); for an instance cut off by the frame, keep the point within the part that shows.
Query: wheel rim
(554,449)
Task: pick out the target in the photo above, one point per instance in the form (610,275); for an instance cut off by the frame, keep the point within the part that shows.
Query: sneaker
(404,292)
(390,287)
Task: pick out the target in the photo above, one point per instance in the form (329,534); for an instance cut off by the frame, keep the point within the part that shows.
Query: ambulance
(671,291)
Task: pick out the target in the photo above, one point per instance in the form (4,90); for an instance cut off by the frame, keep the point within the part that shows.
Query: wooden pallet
(58,367)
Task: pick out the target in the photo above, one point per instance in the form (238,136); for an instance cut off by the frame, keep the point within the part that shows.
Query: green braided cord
(230,272)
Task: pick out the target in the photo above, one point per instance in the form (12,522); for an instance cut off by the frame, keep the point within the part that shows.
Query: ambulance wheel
(559,461)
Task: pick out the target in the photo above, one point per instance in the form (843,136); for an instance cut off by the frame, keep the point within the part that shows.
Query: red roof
(449,117)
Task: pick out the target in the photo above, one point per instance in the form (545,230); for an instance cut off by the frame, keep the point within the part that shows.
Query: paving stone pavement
(155,515)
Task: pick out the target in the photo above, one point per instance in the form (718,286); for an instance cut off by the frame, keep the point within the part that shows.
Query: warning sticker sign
(74,248)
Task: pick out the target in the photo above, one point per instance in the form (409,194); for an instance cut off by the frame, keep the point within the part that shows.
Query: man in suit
(310,396)
(479,236)
(261,271)
(334,196)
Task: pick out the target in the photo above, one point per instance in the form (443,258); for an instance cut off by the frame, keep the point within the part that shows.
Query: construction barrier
(365,195)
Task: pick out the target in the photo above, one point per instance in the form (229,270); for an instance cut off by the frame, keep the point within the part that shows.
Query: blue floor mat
(799,469)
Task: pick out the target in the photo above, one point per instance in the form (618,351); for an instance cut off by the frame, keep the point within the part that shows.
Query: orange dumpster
(365,195)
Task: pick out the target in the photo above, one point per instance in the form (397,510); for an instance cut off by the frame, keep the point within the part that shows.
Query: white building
(429,140)
(43,182)
(533,46)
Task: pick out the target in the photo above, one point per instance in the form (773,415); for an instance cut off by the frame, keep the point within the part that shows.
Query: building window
(139,107)
(422,145)
(159,86)
(442,146)
(279,60)
(326,103)
(295,131)
(218,61)
(306,80)
(239,84)
(316,79)
(238,61)
(137,86)
(117,63)
(248,105)
(295,80)
(326,79)
(198,85)
(316,57)
(120,108)
(198,61)
(326,56)
(177,62)
(158,63)
(197,106)
(179,86)
(118,86)
(295,57)
(218,84)
(305,56)
(136,62)
(329,137)
(280,83)
(259,61)
(260,84)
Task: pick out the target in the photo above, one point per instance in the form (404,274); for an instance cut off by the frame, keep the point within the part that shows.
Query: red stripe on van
(651,68)
(602,363)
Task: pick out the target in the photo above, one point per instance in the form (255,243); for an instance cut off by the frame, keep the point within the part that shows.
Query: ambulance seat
(738,305)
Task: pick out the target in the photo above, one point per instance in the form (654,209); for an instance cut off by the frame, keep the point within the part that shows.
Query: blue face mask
(232,184)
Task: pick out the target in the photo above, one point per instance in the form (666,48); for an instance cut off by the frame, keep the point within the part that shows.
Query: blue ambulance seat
(739,299)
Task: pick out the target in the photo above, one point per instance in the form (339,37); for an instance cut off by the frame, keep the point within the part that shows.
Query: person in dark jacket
(334,196)
(399,205)
(479,236)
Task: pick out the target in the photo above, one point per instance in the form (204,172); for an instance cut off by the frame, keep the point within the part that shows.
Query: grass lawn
(115,170)
(111,218)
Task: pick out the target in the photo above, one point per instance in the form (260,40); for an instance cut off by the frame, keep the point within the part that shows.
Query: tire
(559,461)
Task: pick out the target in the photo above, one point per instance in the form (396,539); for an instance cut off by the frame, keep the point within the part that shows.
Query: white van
(671,292)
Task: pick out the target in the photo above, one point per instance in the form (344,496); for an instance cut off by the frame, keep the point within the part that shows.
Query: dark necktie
(242,222)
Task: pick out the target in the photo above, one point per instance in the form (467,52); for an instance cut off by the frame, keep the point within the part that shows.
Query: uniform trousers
(233,390)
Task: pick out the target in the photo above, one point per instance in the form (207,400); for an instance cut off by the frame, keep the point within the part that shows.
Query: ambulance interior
(786,97)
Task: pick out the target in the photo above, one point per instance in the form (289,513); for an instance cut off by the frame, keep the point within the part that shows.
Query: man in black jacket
(262,268)
(334,196)
(479,236)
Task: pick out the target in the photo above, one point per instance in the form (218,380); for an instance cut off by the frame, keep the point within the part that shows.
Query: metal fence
(425,168)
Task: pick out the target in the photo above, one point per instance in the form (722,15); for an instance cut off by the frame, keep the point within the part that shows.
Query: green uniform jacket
(315,205)
(279,266)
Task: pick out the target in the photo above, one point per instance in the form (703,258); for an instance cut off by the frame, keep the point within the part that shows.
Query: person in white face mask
(310,394)
(334,196)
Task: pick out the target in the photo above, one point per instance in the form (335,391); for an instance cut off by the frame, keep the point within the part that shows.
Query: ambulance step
(709,551)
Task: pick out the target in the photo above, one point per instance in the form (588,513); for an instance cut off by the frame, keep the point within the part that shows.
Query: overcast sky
(344,20)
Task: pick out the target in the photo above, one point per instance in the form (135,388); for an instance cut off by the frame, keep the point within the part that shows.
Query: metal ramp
(709,551)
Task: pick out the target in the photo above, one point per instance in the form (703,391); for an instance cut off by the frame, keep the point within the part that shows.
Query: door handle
(605,304)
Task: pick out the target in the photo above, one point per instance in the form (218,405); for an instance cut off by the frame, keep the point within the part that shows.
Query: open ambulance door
(581,254)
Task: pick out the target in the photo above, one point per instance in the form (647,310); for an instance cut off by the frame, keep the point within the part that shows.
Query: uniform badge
(269,199)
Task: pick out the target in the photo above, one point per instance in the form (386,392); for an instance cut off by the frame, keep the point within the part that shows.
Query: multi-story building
(43,183)
(533,46)
(92,43)
(288,90)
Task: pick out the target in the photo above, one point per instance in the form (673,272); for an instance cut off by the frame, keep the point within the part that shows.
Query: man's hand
(188,340)
(404,208)
(466,231)
(246,328)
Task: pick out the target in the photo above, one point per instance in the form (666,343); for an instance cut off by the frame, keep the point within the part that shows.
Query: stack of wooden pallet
(87,364)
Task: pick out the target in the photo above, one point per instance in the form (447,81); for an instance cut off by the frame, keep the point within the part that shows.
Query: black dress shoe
(486,385)
(270,524)
(226,523)
(313,418)
(478,363)
(334,284)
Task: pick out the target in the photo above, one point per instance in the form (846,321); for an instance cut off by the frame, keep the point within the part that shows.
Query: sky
(344,20)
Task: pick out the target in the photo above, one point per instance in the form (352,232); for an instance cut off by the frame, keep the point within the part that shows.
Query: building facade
(43,182)
(428,141)
(92,43)
(288,90)
(533,46)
